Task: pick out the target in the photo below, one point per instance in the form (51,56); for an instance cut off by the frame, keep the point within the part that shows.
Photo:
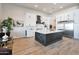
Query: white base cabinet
(30,33)
(18,32)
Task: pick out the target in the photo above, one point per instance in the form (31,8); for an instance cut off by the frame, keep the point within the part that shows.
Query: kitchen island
(47,38)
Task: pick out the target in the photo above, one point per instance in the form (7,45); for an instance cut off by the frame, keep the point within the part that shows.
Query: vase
(5,37)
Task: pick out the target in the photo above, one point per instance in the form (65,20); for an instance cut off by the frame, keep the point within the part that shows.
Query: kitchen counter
(49,37)
(48,32)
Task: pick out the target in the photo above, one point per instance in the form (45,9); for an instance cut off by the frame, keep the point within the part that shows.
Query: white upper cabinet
(65,16)
(69,16)
(30,19)
(57,18)
(60,17)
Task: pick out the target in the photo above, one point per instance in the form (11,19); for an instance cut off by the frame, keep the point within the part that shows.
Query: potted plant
(7,23)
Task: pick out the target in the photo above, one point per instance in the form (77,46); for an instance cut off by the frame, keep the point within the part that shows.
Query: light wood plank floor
(28,46)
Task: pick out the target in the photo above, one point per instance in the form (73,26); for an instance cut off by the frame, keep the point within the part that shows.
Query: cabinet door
(62,17)
(76,31)
(66,16)
(76,17)
(69,16)
(18,32)
(22,32)
(30,33)
(58,18)
(30,19)
(15,32)
(60,26)
(76,24)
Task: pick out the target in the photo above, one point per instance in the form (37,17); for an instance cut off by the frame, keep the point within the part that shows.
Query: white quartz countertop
(47,32)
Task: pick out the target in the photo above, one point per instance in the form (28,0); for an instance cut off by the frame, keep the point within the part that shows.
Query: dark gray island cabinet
(48,38)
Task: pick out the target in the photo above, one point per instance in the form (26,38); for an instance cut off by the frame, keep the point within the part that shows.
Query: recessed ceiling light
(50,11)
(36,6)
(44,9)
(54,3)
(61,6)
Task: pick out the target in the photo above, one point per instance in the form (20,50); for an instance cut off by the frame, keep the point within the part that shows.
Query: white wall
(21,14)
(0,12)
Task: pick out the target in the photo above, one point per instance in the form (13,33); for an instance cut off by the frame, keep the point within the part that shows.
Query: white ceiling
(47,7)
